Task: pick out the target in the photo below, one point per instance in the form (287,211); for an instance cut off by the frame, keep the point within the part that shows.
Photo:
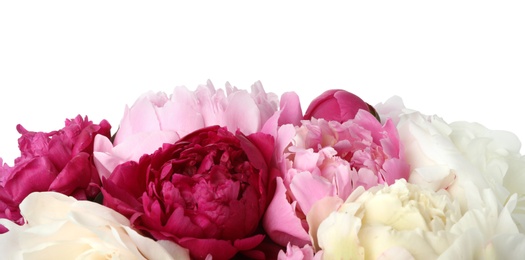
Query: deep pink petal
(34,175)
(349,104)
(248,243)
(77,174)
(319,100)
(200,248)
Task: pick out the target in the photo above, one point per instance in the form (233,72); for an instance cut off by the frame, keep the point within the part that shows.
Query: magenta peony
(328,158)
(60,161)
(206,192)
(336,105)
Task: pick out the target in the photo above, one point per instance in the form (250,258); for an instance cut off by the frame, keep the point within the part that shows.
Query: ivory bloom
(60,227)
(400,218)
(406,221)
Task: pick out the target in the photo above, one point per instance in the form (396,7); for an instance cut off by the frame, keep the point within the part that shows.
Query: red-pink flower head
(60,161)
(207,192)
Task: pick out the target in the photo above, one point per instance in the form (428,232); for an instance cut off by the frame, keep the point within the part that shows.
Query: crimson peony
(206,192)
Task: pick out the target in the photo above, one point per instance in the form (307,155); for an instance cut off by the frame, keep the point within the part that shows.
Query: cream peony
(400,219)
(60,227)
(405,221)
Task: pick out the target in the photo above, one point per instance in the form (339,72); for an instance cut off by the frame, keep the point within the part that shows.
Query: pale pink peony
(155,119)
(327,158)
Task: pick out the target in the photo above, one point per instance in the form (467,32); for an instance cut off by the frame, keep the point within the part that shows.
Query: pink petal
(132,149)
(270,126)
(242,113)
(183,107)
(308,189)
(141,117)
(280,221)
(200,248)
(291,112)
(285,135)
(305,160)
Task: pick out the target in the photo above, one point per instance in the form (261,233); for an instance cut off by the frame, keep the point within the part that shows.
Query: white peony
(462,157)
(60,227)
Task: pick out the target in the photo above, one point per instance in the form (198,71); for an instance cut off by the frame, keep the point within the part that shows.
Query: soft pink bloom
(336,105)
(60,161)
(327,158)
(207,192)
(155,119)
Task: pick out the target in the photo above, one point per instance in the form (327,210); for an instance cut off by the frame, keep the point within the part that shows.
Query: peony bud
(336,105)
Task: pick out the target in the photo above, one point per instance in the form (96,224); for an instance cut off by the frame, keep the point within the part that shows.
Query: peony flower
(155,119)
(327,158)
(60,227)
(336,105)
(406,221)
(60,161)
(206,192)
(462,157)
(399,218)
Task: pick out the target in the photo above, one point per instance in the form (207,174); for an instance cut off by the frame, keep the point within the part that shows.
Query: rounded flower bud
(337,105)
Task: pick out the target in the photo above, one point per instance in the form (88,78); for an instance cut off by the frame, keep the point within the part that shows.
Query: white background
(461,60)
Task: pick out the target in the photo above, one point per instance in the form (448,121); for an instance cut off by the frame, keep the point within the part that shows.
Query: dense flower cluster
(237,174)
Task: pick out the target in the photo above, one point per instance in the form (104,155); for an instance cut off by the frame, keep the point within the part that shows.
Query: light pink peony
(155,119)
(327,158)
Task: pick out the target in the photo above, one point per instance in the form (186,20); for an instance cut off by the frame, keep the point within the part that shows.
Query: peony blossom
(327,158)
(155,119)
(462,157)
(336,105)
(406,221)
(60,227)
(60,161)
(207,191)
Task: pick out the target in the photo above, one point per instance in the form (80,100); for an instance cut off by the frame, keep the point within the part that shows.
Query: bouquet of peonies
(231,173)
